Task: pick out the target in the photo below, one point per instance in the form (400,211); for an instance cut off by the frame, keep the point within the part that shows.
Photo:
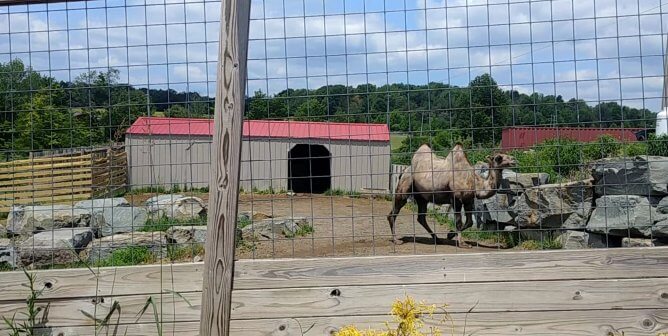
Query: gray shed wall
(185,160)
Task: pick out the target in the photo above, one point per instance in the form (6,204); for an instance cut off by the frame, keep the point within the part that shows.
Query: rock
(101,249)
(186,234)
(576,240)
(564,205)
(662,206)
(55,247)
(275,227)
(637,242)
(115,220)
(623,215)
(175,206)
(642,176)
(514,182)
(7,254)
(24,220)
(660,229)
(248,216)
(496,209)
(101,203)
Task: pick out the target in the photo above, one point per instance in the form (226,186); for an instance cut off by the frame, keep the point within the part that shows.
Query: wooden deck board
(295,273)
(588,292)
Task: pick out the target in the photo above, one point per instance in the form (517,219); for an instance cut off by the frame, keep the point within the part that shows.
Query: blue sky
(594,50)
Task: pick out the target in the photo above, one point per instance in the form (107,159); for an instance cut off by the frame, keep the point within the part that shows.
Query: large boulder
(496,209)
(175,206)
(7,254)
(186,234)
(25,220)
(54,247)
(660,228)
(101,203)
(275,228)
(640,175)
(110,221)
(563,205)
(101,249)
(576,240)
(623,215)
(512,181)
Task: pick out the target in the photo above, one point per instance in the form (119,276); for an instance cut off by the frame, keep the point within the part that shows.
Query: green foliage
(163,223)
(31,324)
(657,145)
(128,256)
(243,221)
(180,253)
(549,243)
(605,146)
(339,192)
(302,231)
(268,191)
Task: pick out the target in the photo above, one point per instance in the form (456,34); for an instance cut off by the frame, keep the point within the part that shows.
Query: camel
(450,180)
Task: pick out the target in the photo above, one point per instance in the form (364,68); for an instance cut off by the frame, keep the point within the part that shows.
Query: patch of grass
(503,238)
(243,221)
(5,267)
(164,223)
(546,244)
(148,190)
(269,191)
(180,253)
(397,139)
(128,256)
(339,192)
(304,230)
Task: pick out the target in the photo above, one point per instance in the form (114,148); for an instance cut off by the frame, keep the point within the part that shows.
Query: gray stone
(54,247)
(7,253)
(176,206)
(248,216)
(25,220)
(563,205)
(512,181)
(186,234)
(574,240)
(101,249)
(496,209)
(115,220)
(640,175)
(662,206)
(275,227)
(660,229)
(623,215)
(637,242)
(101,203)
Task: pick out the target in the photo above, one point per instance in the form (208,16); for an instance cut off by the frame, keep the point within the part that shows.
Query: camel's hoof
(464,245)
(397,242)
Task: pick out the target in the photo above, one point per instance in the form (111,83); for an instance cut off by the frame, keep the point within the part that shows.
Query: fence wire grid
(545,110)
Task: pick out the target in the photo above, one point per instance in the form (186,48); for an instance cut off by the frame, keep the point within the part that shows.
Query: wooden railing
(63,179)
(584,292)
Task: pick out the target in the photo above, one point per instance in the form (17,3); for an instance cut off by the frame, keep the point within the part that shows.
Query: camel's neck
(486,188)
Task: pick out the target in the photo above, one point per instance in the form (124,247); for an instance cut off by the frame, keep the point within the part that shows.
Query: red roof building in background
(527,137)
(264,129)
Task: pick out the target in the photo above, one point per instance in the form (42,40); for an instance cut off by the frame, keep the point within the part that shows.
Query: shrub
(605,146)
(657,145)
(635,149)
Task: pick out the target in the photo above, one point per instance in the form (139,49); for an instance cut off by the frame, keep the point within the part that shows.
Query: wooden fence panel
(63,179)
(582,292)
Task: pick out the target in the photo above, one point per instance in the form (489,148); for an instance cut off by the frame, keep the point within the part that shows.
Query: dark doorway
(309,169)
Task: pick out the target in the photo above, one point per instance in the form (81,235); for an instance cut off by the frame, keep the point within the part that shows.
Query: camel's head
(501,161)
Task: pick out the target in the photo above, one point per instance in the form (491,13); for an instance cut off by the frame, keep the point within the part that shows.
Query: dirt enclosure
(343,226)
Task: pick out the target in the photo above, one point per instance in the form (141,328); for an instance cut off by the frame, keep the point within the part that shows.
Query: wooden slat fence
(584,292)
(63,179)
(394,178)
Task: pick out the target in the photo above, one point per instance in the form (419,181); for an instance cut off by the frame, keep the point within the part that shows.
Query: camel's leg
(399,202)
(457,208)
(422,216)
(468,207)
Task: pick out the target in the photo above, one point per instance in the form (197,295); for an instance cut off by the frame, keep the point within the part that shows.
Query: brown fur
(450,180)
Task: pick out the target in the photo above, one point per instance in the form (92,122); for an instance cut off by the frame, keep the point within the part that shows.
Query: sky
(602,50)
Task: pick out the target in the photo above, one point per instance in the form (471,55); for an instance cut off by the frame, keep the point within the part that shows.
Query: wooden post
(225,158)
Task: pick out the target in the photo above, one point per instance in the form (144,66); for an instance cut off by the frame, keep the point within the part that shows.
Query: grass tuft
(164,223)
(128,256)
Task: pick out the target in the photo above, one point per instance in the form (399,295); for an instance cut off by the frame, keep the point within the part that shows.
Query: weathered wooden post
(225,164)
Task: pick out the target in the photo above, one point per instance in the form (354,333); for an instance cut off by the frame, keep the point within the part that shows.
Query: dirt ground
(343,226)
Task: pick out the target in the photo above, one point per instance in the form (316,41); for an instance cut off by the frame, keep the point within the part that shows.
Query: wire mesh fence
(538,116)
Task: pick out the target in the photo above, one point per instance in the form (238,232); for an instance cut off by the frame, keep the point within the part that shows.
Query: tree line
(40,112)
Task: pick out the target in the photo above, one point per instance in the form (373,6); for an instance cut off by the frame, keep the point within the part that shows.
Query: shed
(308,157)
(525,137)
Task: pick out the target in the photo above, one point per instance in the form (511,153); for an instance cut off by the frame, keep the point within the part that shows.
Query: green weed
(128,256)
(178,253)
(339,192)
(164,223)
(31,325)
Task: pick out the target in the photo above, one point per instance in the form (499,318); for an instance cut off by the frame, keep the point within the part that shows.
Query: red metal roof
(527,137)
(264,128)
